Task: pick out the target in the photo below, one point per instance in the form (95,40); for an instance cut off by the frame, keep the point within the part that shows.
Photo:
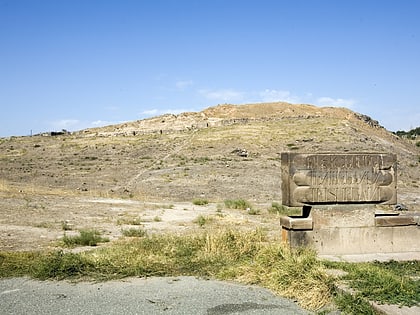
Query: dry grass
(223,254)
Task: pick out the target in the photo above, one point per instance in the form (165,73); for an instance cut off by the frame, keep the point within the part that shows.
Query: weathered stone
(395,220)
(334,178)
(292,223)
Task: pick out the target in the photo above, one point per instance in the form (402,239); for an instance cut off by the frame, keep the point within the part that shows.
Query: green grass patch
(353,304)
(85,238)
(384,282)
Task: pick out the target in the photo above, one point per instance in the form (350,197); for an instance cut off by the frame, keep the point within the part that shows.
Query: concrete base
(352,229)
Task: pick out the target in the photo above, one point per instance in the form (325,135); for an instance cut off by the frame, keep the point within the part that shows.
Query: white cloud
(226,95)
(335,102)
(181,85)
(278,96)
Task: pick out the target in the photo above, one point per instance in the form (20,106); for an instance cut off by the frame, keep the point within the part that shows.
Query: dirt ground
(36,222)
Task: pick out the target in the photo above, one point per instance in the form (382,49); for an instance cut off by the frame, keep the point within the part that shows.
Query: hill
(223,152)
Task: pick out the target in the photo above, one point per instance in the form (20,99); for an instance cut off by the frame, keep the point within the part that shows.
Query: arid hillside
(223,152)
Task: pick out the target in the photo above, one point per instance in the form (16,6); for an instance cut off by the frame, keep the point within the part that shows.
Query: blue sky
(71,64)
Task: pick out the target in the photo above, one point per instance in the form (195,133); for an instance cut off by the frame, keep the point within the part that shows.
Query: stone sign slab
(335,178)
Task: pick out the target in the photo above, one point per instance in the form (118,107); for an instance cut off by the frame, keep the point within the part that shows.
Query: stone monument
(346,202)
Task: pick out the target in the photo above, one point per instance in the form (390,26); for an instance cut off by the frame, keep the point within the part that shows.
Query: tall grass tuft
(240,204)
(86,238)
(200,202)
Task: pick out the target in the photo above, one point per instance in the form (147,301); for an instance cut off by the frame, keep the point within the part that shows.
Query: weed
(237,204)
(277,208)
(17,264)
(389,282)
(157,219)
(59,265)
(45,225)
(200,202)
(202,160)
(202,220)
(350,304)
(65,226)
(252,211)
(86,238)
(129,221)
(133,232)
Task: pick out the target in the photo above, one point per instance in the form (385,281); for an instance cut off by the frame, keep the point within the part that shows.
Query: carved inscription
(338,178)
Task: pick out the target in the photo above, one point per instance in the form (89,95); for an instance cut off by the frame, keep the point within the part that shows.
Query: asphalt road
(172,296)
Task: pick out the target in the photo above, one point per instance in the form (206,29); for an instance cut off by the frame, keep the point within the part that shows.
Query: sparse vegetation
(85,238)
(240,204)
(277,208)
(66,226)
(200,202)
(253,211)
(390,282)
(201,220)
(133,232)
(129,221)
(353,304)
